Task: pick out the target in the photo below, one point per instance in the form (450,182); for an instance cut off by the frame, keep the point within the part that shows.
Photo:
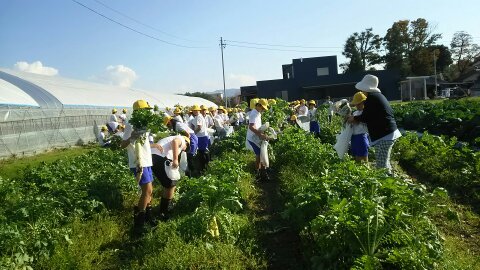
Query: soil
(281,243)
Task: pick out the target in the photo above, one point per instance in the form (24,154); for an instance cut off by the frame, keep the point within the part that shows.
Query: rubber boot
(164,204)
(149,217)
(264,175)
(138,221)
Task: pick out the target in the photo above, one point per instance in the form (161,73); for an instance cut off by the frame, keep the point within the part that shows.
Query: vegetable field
(76,212)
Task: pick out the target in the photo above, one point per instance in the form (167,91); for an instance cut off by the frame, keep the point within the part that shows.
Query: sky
(64,38)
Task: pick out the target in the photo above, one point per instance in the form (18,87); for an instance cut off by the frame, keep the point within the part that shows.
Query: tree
(463,50)
(201,95)
(363,50)
(405,41)
(422,60)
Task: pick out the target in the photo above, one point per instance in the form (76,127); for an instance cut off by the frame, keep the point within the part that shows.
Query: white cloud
(119,75)
(237,80)
(36,67)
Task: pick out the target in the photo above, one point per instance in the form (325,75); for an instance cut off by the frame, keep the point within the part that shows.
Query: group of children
(115,126)
(196,127)
(359,142)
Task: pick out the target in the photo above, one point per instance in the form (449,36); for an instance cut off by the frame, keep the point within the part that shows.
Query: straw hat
(369,83)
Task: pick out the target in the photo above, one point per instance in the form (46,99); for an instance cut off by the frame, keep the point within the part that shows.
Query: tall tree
(404,41)
(363,50)
(463,50)
(423,63)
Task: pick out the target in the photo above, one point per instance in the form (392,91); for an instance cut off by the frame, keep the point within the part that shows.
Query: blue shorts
(203,143)
(147,175)
(255,147)
(314,127)
(360,145)
(193,143)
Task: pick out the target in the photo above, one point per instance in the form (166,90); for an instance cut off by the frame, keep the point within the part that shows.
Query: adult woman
(378,115)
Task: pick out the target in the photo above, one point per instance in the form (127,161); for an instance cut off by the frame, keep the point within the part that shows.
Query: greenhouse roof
(20,88)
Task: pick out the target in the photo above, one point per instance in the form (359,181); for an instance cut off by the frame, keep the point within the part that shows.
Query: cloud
(118,75)
(237,80)
(36,67)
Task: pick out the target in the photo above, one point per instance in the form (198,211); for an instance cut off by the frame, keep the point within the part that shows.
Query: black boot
(264,175)
(149,217)
(164,204)
(138,221)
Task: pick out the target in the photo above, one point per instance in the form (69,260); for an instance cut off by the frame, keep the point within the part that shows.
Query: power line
(279,45)
(281,50)
(134,30)
(141,23)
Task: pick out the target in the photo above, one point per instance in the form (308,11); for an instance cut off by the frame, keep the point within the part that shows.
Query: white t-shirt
(123,117)
(331,107)
(113,118)
(255,119)
(146,157)
(209,120)
(101,138)
(112,125)
(302,110)
(200,121)
(183,127)
(312,114)
(218,121)
(359,128)
(178,118)
(241,117)
(166,144)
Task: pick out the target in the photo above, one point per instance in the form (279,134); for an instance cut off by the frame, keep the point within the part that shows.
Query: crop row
(350,215)
(76,214)
(459,118)
(439,162)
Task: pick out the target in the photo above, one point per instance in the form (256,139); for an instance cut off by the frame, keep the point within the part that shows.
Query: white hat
(369,83)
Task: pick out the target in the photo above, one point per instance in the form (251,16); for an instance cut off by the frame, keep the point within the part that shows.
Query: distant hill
(232,92)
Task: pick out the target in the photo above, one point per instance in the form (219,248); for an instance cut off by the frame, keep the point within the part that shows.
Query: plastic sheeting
(39,113)
(70,92)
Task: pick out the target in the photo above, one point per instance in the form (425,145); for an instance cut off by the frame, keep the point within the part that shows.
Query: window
(322,71)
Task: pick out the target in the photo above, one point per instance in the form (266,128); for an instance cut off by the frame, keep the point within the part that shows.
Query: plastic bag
(264,154)
(172,173)
(183,161)
(342,107)
(343,141)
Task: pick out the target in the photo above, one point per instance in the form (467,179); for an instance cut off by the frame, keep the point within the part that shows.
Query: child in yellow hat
(359,141)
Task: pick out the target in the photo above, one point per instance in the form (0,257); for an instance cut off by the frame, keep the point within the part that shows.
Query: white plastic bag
(343,140)
(172,173)
(264,154)
(183,161)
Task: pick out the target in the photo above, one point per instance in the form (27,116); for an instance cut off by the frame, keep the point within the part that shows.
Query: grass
(459,226)
(13,167)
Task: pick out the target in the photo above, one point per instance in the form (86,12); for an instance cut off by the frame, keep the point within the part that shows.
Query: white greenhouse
(39,112)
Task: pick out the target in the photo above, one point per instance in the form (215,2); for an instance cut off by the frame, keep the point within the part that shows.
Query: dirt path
(280,242)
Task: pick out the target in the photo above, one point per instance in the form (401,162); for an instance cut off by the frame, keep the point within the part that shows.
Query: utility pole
(435,69)
(222,46)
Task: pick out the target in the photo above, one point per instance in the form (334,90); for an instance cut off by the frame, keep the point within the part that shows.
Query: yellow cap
(124,110)
(195,108)
(358,98)
(167,108)
(211,109)
(293,117)
(253,102)
(166,119)
(141,104)
(104,128)
(203,107)
(114,110)
(312,102)
(222,109)
(302,100)
(121,126)
(177,111)
(264,103)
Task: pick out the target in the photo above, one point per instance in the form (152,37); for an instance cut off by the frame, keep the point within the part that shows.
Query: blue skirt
(193,143)
(203,143)
(360,145)
(314,127)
